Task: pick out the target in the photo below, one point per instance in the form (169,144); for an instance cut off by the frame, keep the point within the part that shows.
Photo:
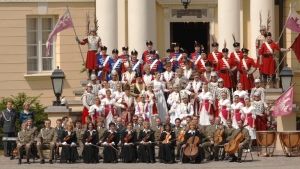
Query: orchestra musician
(146,151)
(79,133)
(129,150)
(228,134)
(244,143)
(178,129)
(69,148)
(110,141)
(166,147)
(90,139)
(192,132)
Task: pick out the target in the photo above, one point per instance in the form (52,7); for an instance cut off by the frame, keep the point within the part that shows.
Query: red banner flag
(284,103)
(296,47)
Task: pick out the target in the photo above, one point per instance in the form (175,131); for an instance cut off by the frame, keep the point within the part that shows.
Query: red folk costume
(87,101)
(266,51)
(223,67)
(214,58)
(235,58)
(246,68)
(127,107)
(155,65)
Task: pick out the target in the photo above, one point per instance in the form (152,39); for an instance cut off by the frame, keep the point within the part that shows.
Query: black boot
(28,161)
(234,159)
(239,160)
(20,161)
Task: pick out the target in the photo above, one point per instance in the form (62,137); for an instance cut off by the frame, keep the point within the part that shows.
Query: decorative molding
(43,7)
(194,3)
(166,12)
(47,0)
(190,5)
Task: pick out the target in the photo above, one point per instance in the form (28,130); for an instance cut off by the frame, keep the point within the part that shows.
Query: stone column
(255,7)
(141,24)
(228,22)
(107,15)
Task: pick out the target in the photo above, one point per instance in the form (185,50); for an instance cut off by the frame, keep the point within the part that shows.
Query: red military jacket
(211,59)
(201,65)
(264,49)
(236,58)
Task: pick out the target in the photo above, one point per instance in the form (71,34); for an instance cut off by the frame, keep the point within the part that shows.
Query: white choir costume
(159,88)
(242,95)
(183,110)
(173,101)
(117,95)
(109,110)
(236,113)
(96,111)
(248,113)
(224,110)
(205,101)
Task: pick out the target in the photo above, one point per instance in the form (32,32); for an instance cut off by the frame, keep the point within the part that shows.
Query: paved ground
(277,161)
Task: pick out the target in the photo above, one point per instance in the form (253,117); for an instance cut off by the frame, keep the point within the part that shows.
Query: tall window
(38,29)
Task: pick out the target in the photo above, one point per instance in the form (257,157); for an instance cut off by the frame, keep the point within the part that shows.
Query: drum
(290,141)
(266,139)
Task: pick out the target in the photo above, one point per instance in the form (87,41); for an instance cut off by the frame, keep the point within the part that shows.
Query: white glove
(73,144)
(64,143)
(78,41)
(88,143)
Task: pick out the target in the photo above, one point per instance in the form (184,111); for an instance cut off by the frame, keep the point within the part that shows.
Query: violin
(167,139)
(89,138)
(219,134)
(233,145)
(128,137)
(110,138)
(147,137)
(181,136)
(191,151)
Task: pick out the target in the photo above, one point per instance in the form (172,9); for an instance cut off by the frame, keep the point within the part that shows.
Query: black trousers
(8,146)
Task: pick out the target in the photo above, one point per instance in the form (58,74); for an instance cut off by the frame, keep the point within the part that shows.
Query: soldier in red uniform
(267,61)
(146,53)
(215,56)
(246,69)
(235,58)
(124,55)
(183,59)
(176,51)
(104,65)
(194,56)
(200,62)
(225,67)
(155,64)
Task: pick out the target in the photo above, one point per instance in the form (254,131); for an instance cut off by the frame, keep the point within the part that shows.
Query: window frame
(40,44)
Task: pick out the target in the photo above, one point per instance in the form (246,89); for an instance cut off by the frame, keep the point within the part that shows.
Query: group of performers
(179,102)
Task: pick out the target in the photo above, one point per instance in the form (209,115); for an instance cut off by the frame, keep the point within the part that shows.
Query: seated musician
(46,139)
(35,132)
(166,146)
(217,142)
(178,129)
(101,129)
(139,126)
(146,148)
(208,141)
(128,140)
(191,133)
(111,139)
(90,139)
(228,134)
(24,140)
(69,148)
(243,145)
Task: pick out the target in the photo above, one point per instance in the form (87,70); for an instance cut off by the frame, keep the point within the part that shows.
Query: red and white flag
(284,103)
(296,47)
(293,22)
(65,22)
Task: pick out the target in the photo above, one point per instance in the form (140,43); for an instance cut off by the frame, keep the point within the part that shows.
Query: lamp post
(185,3)
(57,78)
(286,75)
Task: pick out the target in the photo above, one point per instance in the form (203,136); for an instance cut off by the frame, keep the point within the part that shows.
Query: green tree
(18,101)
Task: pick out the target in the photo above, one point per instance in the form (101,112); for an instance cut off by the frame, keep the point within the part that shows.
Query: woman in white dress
(151,100)
(236,108)
(159,88)
(205,102)
(117,95)
(174,101)
(224,107)
(249,116)
(142,108)
(102,92)
(96,110)
(108,108)
(184,109)
(241,93)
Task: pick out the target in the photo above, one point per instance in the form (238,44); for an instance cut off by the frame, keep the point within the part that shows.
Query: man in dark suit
(168,121)
(120,128)
(8,120)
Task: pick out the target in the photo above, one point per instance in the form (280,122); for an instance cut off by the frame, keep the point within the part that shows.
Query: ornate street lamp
(185,3)
(57,79)
(286,75)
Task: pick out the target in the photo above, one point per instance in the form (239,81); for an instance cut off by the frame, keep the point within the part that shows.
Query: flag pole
(75,33)
(285,23)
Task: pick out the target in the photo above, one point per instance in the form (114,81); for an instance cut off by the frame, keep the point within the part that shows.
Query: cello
(219,133)
(233,145)
(191,151)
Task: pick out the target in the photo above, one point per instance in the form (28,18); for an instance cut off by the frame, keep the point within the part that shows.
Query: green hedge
(35,106)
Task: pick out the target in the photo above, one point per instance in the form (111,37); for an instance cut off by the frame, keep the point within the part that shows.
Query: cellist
(244,143)
(190,133)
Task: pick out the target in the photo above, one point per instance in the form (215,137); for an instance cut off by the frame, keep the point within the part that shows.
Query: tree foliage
(18,101)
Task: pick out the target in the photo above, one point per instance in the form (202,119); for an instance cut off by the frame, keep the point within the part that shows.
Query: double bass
(233,145)
(191,151)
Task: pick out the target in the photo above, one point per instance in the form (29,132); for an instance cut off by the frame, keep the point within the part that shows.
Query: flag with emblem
(293,22)
(284,103)
(64,22)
